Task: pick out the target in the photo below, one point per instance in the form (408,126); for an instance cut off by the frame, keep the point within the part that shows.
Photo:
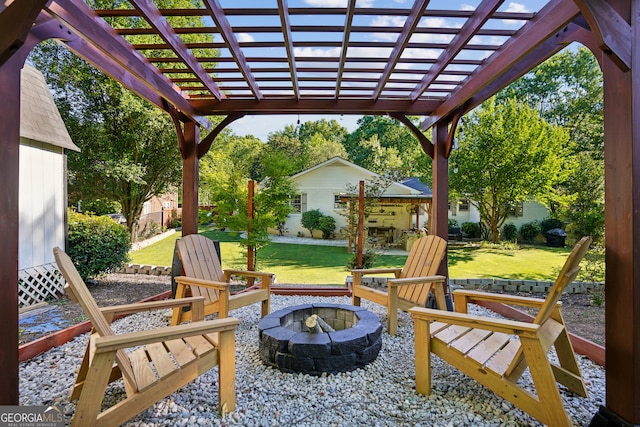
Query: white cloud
(465,6)
(327,3)
(245,37)
(517,7)
(311,52)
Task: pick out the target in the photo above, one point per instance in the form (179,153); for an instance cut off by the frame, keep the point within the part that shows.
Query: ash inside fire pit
(287,343)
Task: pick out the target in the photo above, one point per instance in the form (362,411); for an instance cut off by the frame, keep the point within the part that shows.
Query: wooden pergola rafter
(416,60)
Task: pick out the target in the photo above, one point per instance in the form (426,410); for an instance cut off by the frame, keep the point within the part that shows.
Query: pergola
(275,58)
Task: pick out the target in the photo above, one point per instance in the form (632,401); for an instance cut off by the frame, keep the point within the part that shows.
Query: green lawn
(309,264)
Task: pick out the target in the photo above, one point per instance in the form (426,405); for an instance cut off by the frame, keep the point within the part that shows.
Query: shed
(43,196)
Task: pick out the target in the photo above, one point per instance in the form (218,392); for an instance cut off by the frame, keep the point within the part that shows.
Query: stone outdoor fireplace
(318,338)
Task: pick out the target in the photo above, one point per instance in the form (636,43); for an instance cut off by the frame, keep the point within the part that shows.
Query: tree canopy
(567,91)
(386,146)
(507,154)
(129,150)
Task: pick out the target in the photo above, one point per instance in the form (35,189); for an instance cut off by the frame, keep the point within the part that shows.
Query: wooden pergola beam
(348,21)
(155,19)
(553,17)
(114,53)
(399,46)
(217,13)
(611,31)
(470,28)
(314,106)
(283,11)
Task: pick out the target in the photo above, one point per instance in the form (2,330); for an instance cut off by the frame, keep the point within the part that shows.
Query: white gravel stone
(381,394)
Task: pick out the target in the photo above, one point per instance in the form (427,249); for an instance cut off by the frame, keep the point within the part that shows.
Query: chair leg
(355,300)
(92,394)
(227,371)
(545,384)
(573,379)
(422,341)
(392,308)
(265,307)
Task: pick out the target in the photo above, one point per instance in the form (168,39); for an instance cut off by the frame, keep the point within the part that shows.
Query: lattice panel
(38,284)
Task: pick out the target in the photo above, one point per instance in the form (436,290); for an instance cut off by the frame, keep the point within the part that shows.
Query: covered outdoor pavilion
(337,60)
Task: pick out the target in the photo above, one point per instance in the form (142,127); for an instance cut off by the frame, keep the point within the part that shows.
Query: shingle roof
(417,185)
(40,119)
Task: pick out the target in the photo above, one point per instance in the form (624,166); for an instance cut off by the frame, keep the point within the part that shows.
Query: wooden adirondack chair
(412,283)
(205,277)
(496,352)
(163,360)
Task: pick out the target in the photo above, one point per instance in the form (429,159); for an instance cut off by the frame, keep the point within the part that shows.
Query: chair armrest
(267,278)
(361,272)
(501,298)
(133,339)
(185,280)
(414,280)
(151,305)
(512,327)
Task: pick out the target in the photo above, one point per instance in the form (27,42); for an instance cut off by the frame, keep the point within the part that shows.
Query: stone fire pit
(286,343)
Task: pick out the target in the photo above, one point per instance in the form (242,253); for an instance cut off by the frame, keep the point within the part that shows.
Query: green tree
(270,207)
(567,91)
(506,154)
(382,144)
(308,144)
(129,147)
(230,155)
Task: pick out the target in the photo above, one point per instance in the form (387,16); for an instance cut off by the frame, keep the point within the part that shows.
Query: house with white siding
(42,189)
(324,186)
(523,212)
(403,208)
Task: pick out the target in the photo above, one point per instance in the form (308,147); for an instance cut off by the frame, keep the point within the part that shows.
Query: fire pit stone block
(286,343)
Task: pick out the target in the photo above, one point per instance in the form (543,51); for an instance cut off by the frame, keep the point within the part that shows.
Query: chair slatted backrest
(424,259)
(568,273)
(200,260)
(80,293)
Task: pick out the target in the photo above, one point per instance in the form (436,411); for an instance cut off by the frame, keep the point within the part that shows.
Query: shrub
(471,229)
(97,245)
(151,229)
(311,220)
(453,223)
(529,231)
(510,232)
(549,224)
(100,206)
(326,224)
(175,220)
(368,257)
(204,217)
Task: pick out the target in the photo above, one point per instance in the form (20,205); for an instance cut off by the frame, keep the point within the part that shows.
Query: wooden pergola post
(9,220)
(251,185)
(190,179)
(440,197)
(622,224)
(360,243)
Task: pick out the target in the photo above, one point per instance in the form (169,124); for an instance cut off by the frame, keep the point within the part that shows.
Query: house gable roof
(394,189)
(40,119)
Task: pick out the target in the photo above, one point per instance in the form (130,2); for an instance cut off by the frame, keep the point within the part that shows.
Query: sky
(261,126)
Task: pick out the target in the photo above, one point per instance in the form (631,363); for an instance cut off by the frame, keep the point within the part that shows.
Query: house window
(299,203)
(516,209)
(337,203)
(463,205)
